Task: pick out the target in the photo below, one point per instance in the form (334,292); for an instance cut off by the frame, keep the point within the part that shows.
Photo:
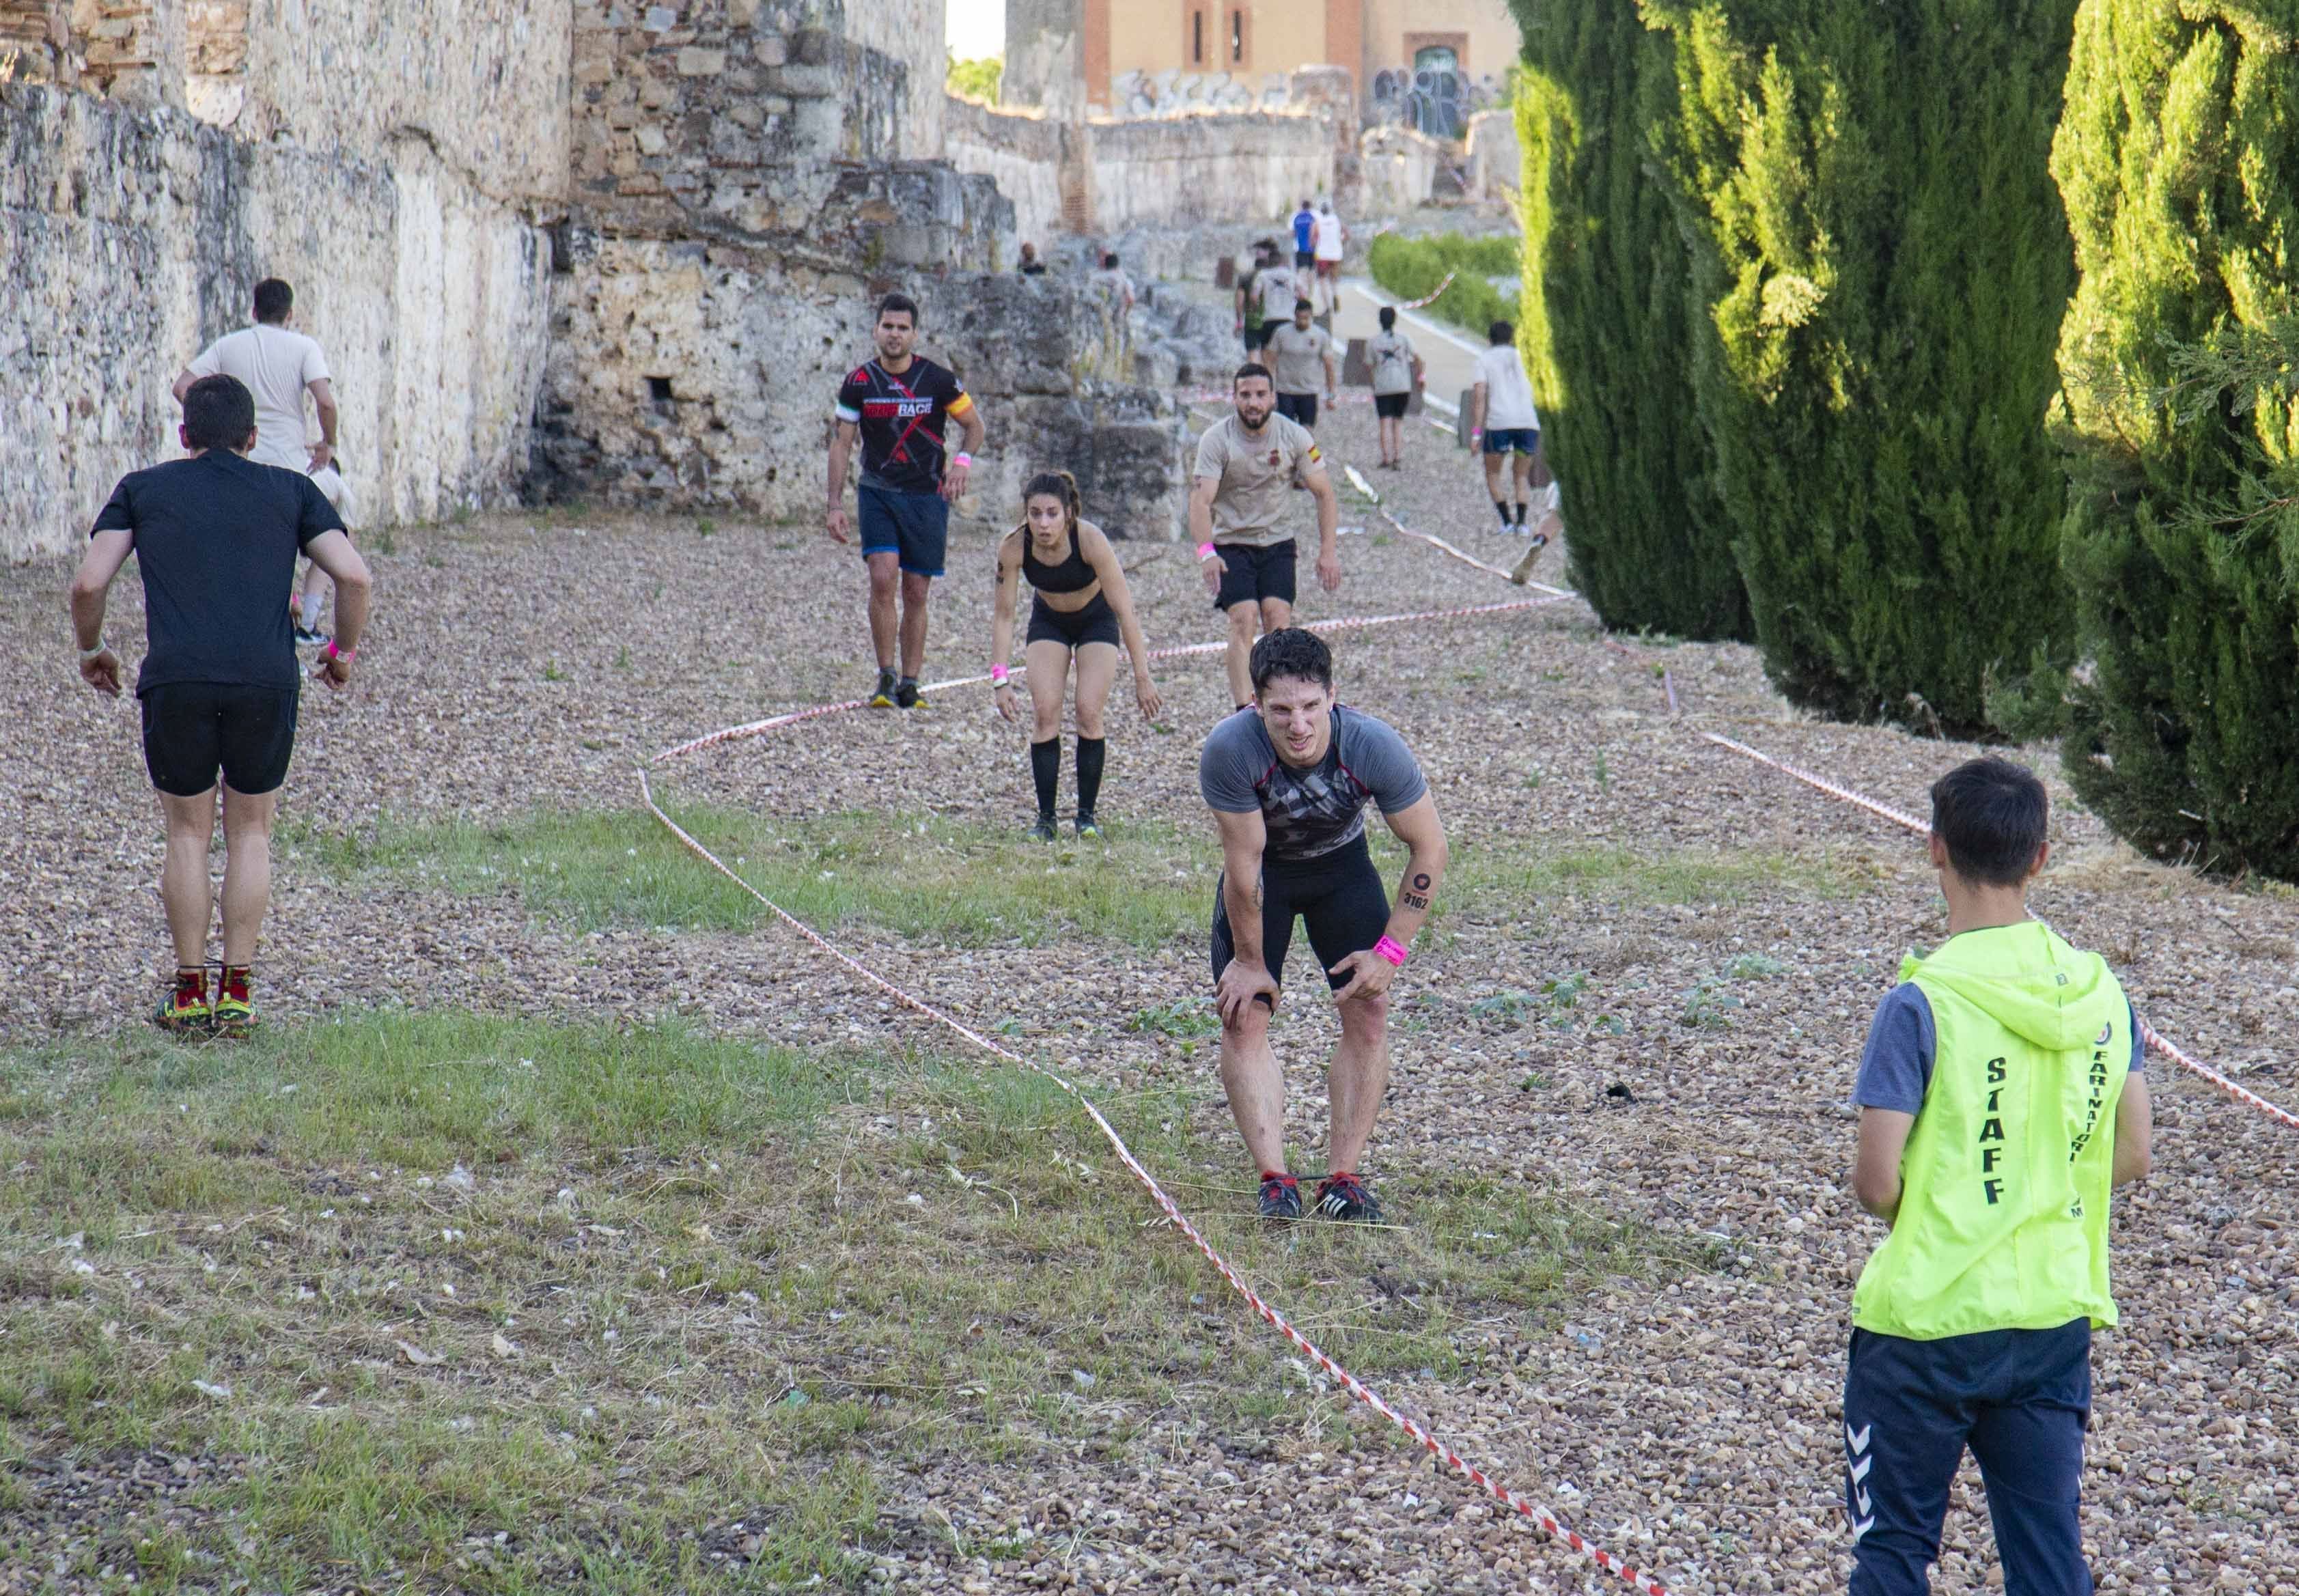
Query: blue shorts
(914,526)
(1521,440)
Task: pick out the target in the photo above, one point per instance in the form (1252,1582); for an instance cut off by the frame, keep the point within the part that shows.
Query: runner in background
(1398,375)
(900,406)
(1278,288)
(1287,779)
(1300,353)
(279,366)
(1249,463)
(1329,241)
(1503,421)
(1305,242)
(215,538)
(1249,300)
(1080,609)
(1031,266)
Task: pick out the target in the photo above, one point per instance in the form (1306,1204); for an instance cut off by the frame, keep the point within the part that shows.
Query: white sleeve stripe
(846,414)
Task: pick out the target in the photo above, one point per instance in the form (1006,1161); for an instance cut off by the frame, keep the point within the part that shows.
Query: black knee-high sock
(1045,770)
(1090,754)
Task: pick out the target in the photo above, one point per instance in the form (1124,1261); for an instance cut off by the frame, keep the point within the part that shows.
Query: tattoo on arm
(1420,881)
(1256,894)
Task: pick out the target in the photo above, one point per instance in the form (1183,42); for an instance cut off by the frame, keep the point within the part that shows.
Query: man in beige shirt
(1248,464)
(1299,352)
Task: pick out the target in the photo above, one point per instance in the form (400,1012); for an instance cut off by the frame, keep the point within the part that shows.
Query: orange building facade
(1387,45)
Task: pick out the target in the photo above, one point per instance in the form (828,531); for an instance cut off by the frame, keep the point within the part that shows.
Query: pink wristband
(332,652)
(1391,948)
(997,675)
(1205,551)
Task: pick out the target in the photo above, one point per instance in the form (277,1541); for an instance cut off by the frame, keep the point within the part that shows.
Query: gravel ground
(521,661)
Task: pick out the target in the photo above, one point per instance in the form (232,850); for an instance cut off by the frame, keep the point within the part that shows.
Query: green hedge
(1411,268)
(1606,325)
(1883,263)
(2179,159)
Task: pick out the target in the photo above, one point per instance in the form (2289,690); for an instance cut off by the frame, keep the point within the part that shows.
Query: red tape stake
(1270,1315)
(1549,1523)
(2153,1037)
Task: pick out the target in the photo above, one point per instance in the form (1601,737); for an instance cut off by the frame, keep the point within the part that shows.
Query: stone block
(770,49)
(695,61)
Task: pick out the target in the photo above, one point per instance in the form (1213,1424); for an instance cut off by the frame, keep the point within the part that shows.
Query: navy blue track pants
(2020,1400)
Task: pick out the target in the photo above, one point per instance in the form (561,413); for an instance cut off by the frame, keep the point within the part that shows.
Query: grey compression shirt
(1309,813)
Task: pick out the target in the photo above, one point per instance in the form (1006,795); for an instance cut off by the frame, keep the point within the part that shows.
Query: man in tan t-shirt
(1248,464)
(1299,353)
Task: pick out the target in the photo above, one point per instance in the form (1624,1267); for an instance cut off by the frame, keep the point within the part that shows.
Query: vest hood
(2028,981)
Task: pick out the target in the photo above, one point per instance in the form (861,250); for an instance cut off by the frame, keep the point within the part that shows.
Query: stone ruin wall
(738,206)
(401,202)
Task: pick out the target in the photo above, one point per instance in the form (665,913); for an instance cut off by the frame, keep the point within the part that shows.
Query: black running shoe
(907,695)
(1281,1197)
(884,697)
(1343,1196)
(307,637)
(1087,826)
(1043,831)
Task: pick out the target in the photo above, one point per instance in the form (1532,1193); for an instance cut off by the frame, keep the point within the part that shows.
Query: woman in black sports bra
(1079,607)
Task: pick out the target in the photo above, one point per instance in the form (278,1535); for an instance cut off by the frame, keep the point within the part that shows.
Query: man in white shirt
(279,366)
(1327,239)
(1503,418)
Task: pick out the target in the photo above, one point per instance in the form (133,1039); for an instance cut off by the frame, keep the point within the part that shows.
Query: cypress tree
(2179,158)
(1606,325)
(1874,231)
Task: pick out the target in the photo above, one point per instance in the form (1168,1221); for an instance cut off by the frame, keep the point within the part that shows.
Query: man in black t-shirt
(901,406)
(215,538)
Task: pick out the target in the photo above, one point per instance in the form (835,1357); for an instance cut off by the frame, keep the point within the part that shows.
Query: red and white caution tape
(1429,299)
(776,723)
(1550,1524)
(2154,1039)
(1547,1521)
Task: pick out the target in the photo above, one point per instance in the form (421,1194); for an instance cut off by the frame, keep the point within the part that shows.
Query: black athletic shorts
(1339,897)
(193,728)
(1299,406)
(1389,407)
(1097,623)
(1250,573)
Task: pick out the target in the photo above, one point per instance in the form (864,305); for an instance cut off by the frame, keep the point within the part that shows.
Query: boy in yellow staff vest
(2001,1097)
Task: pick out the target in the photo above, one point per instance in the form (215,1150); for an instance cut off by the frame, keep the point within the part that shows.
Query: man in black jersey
(901,406)
(215,538)
(1287,779)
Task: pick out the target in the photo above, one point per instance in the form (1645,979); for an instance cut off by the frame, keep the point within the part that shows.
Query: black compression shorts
(1389,407)
(1251,573)
(1096,623)
(1338,896)
(193,728)
(1299,406)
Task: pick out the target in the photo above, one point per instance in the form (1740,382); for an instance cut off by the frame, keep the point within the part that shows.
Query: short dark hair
(1251,368)
(1109,257)
(219,413)
(273,300)
(1294,651)
(899,304)
(1387,316)
(1994,816)
(1501,332)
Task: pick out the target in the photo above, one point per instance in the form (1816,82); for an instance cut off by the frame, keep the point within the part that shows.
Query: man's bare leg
(915,589)
(1497,485)
(1522,469)
(1238,658)
(1358,1081)
(1256,1088)
(885,576)
(247,872)
(184,875)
